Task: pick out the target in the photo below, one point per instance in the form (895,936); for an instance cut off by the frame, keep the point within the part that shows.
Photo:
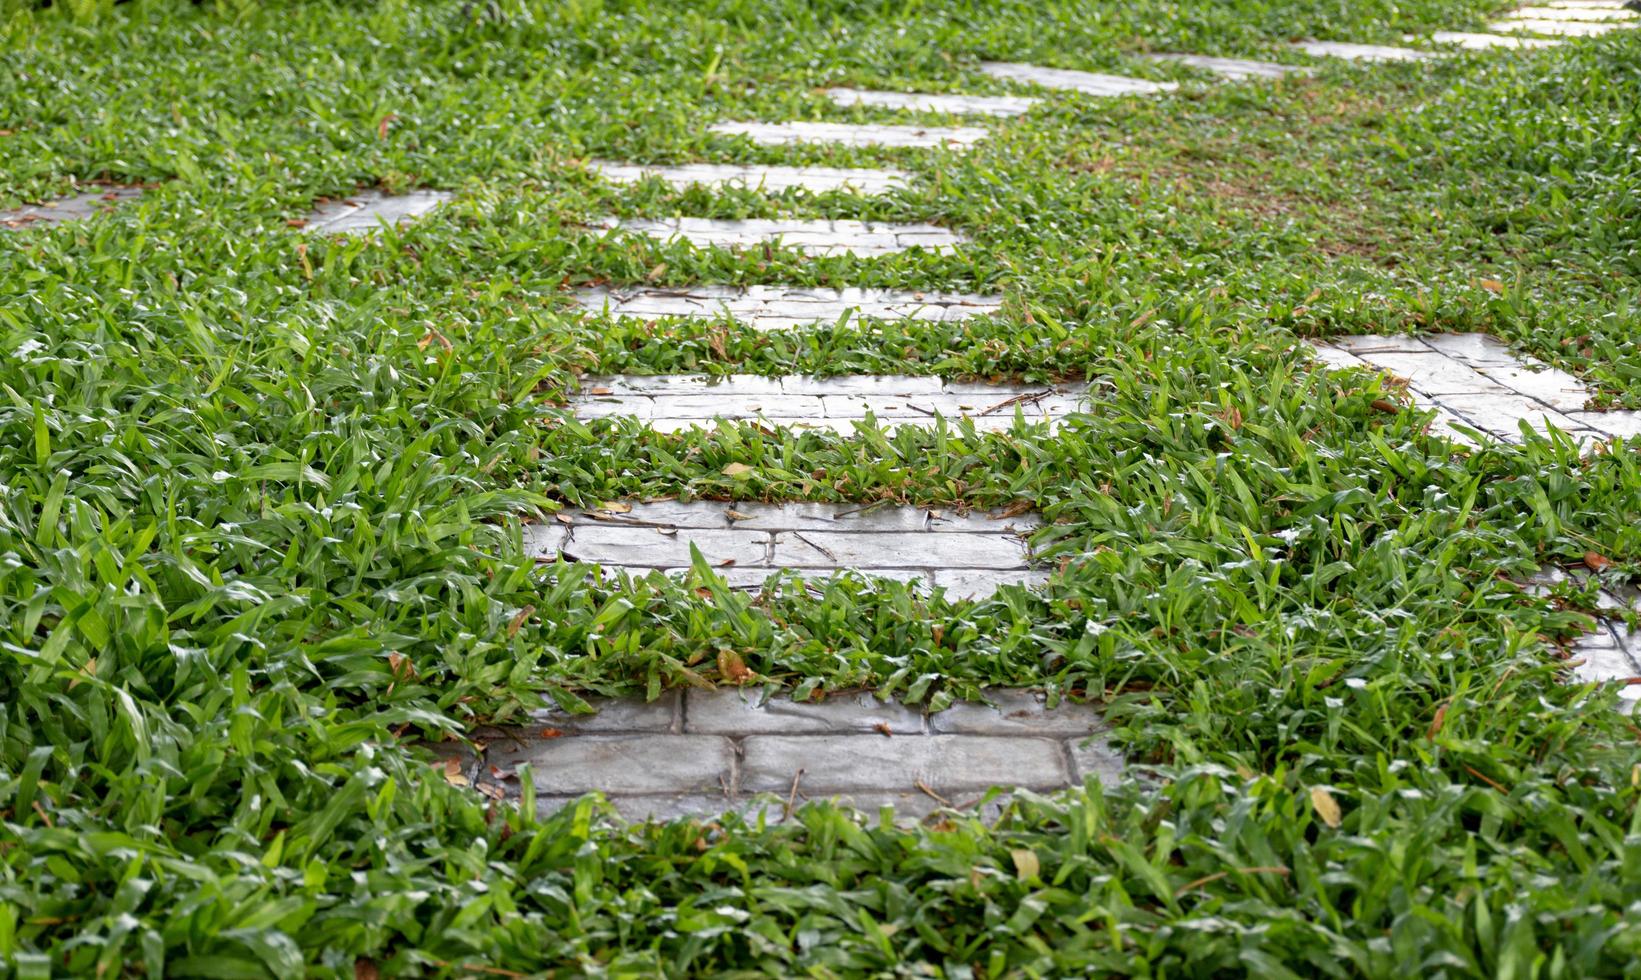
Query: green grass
(244,469)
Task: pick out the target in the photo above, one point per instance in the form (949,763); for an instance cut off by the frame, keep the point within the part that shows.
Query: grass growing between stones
(260,493)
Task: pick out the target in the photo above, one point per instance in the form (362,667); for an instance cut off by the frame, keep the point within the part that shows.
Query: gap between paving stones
(815,237)
(956,105)
(1475,380)
(369,211)
(75,208)
(765,178)
(668,403)
(702,752)
(854,134)
(968,555)
(1086,82)
(784,307)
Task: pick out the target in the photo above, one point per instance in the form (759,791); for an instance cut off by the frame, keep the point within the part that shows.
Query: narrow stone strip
(1554,27)
(815,237)
(1475,380)
(782,307)
(1482,42)
(759,178)
(369,211)
(957,105)
(75,208)
(1612,651)
(1575,13)
(705,752)
(968,555)
(854,134)
(1363,52)
(672,402)
(1086,82)
(1237,69)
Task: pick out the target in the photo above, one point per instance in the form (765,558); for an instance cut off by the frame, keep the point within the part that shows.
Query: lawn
(261,492)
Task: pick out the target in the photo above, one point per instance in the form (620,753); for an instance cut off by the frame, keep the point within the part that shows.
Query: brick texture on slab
(369,211)
(774,179)
(691,401)
(1556,27)
(1475,380)
(1362,52)
(1236,69)
(854,134)
(1014,713)
(75,208)
(957,105)
(1086,82)
(1482,42)
(629,764)
(815,237)
(732,711)
(947,764)
(783,307)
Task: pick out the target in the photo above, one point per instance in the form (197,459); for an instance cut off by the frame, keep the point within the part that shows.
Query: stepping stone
(75,208)
(814,237)
(672,402)
(817,180)
(957,105)
(1559,27)
(853,134)
(1363,52)
(970,556)
(1482,42)
(781,307)
(1612,651)
(1237,69)
(1574,14)
(370,211)
(1474,380)
(1086,82)
(705,752)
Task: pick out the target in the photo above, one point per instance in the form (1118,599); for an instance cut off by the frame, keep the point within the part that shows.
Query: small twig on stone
(924,788)
(1035,396)
(817,547)
(792,797)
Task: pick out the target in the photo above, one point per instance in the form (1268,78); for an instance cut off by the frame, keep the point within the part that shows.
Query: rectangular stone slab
(946,764)
(774,179)
(1363,52)
(1237,69)
(1086,82)
(1482,42)
(812,236)
(370,211)
(1575,13)
(853,134)
(75,208)
(1556,27)
(957,105)
(781,308)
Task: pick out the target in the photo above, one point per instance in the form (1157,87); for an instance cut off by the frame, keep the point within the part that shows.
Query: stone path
(1363,52)
(1086,82)
(1482,42)
(969,555)
(74,208)
(1574,13)
(815,237)
(671,402)
(704,752)
(784,307)
(1557,27)
(1612,651)
(957,105)
(854,134)
(1236,69)
(1473,379)
(766,178)
(370,211)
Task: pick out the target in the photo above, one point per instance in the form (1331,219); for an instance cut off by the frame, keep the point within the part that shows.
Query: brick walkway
(854,134)
(781,308)
(814,237)
(773,179)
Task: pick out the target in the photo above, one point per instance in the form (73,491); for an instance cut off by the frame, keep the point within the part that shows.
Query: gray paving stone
(964,583)
(1555,27)
(1551,386)
(1476,349)
(957,105)
(1086,82)
(854,134)
(815,237)
(780,308)
(369,211)
(1015,712)
(1363,52)
(637,764)
(1236,69)
(1470,41)
(75,208)
(1623,424)
(650,547)
(842,549)
(630,715)
(1432,373)
(775,179)
(1500,414)
(946,764)
(727,711)
(1575,13)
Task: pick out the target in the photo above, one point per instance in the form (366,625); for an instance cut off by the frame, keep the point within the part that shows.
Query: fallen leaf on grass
(1012,510)
(453,773)
(1491,285)
(1026,865)
(1325,806)
(733,668)
(518,620)
(1381,405)
(1596,562)
(382,127)
(615,507)
(552,733)
(737,470)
